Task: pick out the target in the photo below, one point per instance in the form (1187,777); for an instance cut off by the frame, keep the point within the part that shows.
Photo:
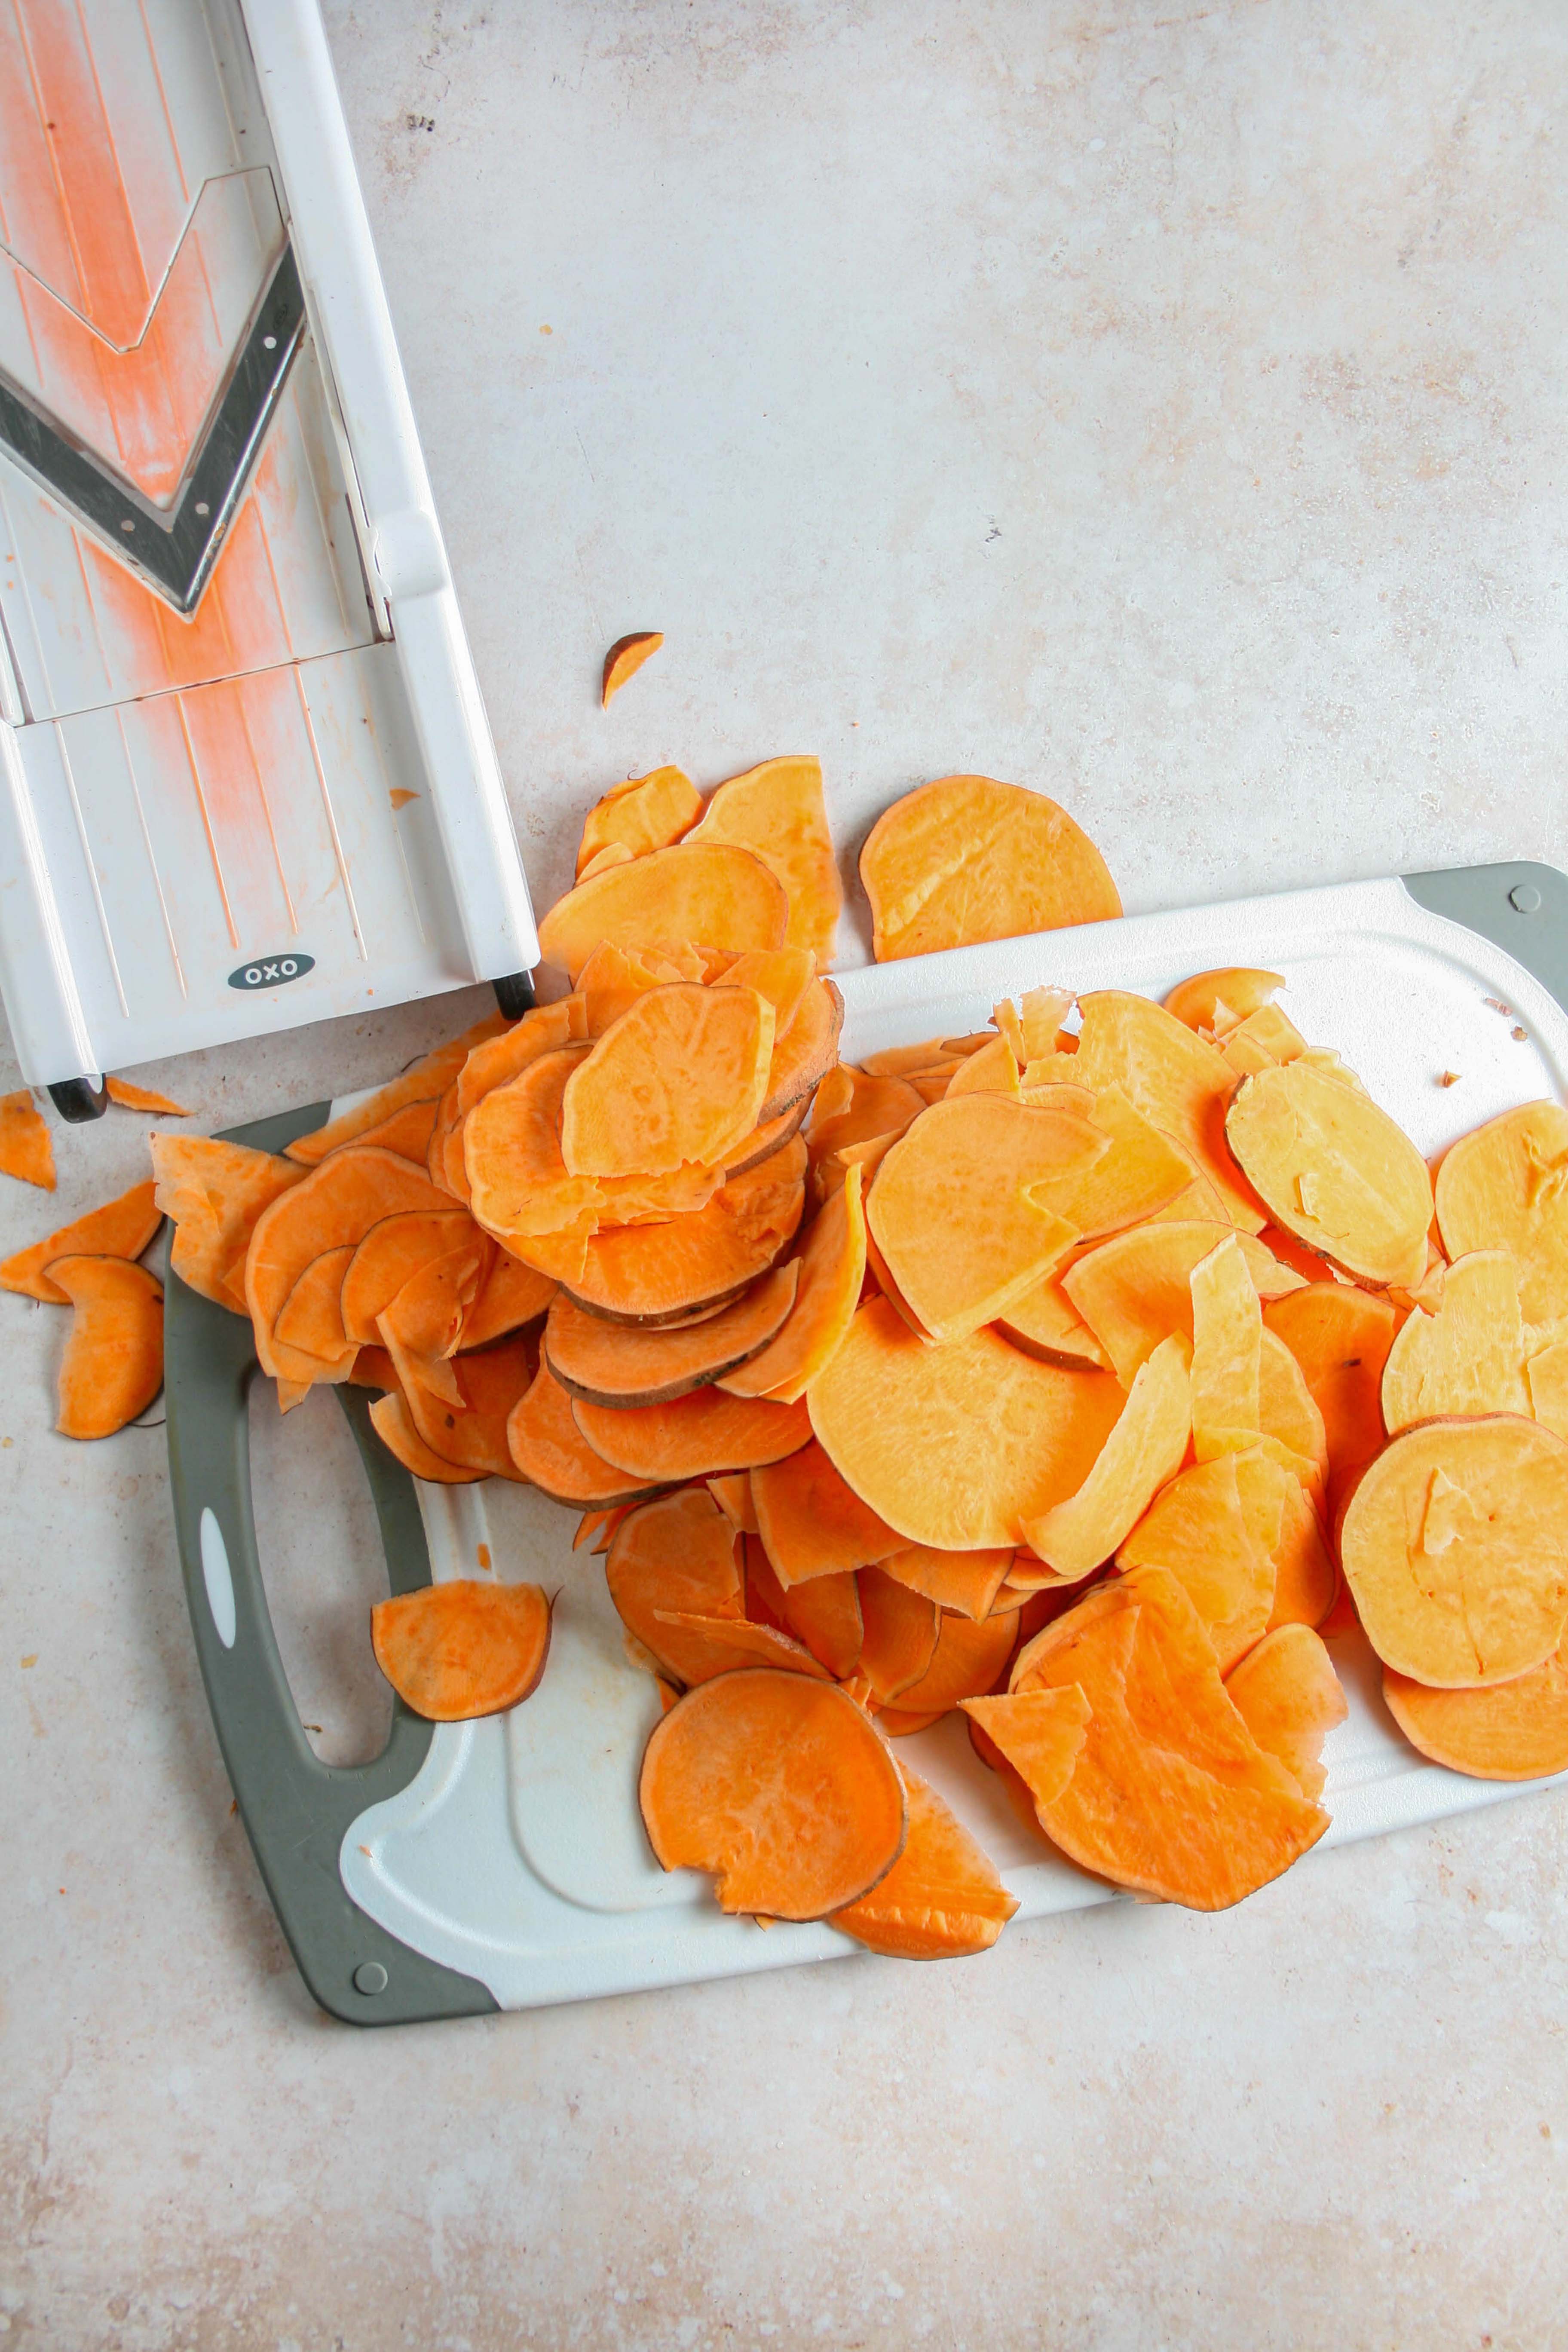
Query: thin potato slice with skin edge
(1240,988)
(941,1900)
(1505,1186)
(1044,1323)
(710,891)
(427,1081)
(645,813)
(832,1272)
(472,1434)
(510,1296)
(458,1651)
(393,1423)
(995,1437)
(1339,1335)
(825,1613)
(967,859)
(1334,1169)
(1454,1544)
(970,1657)
(215,1193)
(312,1316)
(965,1582)
(1469,1357)
(781,1786)
(898,1636)
(1515,1730)
(339,1201)
(1145,1449)
(729,1644)
(617,1364)
(677,1079)
(695,1437)
(960,1207)
(811,1523)
(856,1106)
(777,812)
(806,1052)
(623,660)
(676,1557)
(113,1367)
(1038,1734)
(551,1453)
(1136,1288)
(1287,1694)
(121,1228)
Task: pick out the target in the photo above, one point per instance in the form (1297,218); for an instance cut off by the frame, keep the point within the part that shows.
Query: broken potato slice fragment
(1334,1169)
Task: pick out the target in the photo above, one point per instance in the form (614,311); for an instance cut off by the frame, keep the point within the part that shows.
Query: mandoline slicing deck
(514,1859)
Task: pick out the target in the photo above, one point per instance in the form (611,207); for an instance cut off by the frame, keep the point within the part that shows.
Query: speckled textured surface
(1161,407)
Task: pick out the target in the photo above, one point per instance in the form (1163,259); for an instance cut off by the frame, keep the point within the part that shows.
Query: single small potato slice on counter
(1469,1357)
(956,1446)
(967,859)
(1454,1546)
(453,1652)
(1289,1696)
(114,1362)
(622,1364)
(1334,1169)
(782,1786)
(1516,1730)
(131,1096)
(121,1228)
(941,1900)
(623,660)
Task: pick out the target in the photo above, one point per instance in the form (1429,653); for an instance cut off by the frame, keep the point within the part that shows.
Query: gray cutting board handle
(1520,907)
(295,1808)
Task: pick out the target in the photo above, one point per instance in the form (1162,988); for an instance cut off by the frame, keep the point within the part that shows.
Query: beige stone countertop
(1163,405)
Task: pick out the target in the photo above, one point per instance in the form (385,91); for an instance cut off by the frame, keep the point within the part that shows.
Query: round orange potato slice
(1454,1546)
(968,858)
(703,890)
(621,1364)
(781,1786)
(1334,1169)
(1516,1730)
(452,1651)
(1505,1187)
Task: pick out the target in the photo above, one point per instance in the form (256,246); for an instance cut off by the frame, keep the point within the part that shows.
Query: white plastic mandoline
(284,803)
(503,1862)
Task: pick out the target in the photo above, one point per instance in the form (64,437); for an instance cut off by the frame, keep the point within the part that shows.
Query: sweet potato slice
(407,1131)
(391,1421)
(1136,1288)
(623,660)
(311,1317)
(1140,1174)
(764,1140)
(1339,1335)
(966,1582)
(427,1313)
(1467,1359)
(898,1636)
(1505,1187)
(676,1557)
(874,1104)
(941,1900)
(465,1415)
(1171,1794)
(956,1446)
(1045,1323)
(898,1061)
(338,1201)
(699,1433)
(131,1096)
(781,974)
(644,813)
(1220,1000)
(510,1296)
(832,1271)
(121,1228)
(426,1081)
(546,1444)
(1200,1532)
(1455,1546)
(1306,1578)
(1143,1451)
(1547,1376)
(703,890)
(781,1786)
(1515,1730)
(1228,1348)
(777,812)
(1264,1038)
(114,1362)
(392,1251)
(731,1490)
(454,1651)
(959,1206)
(970,1657)
(660,1274)
(994,1070)
(967,859)
(811,1523)
(807,1050)
(617,1364)
(1179,1082)
(495,1061)
(1036,1734)
(1334,1169)
(679,1078)
(1287,1694)
(25,1149)
(728,1645)
(823,1614)
(613,854)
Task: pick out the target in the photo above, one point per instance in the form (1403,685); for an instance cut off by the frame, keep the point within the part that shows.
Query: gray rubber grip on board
(1520,907)
(296,1810)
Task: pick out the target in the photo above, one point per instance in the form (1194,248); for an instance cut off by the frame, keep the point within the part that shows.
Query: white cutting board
(517,1855)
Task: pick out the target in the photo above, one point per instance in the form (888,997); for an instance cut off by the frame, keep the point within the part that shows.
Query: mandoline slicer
(246,778)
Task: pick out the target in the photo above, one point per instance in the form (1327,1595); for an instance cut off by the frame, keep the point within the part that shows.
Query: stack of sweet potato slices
(1081,1374)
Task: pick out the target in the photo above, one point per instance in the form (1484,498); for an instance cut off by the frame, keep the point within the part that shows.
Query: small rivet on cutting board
(1524,898)
(370,1976)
